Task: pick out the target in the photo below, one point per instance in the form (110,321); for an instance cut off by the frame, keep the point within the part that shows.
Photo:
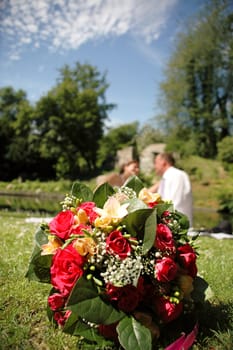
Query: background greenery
(212,191)
(65,134)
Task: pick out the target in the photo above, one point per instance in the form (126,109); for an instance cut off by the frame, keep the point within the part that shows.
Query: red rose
(118,244)
(61,317)
(164,238)
(141,287)
(166,270)
(109,331)
(152,204)
(126,298)
(89,209)
(187,258)
(166,213)
(56,301)
(166,217)
(66,269)
(61,225)
(166,310)
(78,229)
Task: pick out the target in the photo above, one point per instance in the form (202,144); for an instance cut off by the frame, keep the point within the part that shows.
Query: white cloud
(14,56)
(67,24)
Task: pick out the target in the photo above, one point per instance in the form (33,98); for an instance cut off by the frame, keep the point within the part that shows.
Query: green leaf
(90,333)
(136,204)
(39,265)
(39,268)
(71,323)
(102,193)
(82,191)
(163,207)
(97,311)
(85,301)
(201,291)
(83,289)
(41,237)
(183,220)
(150,231)
(135,183)
(135,222)
(133,335)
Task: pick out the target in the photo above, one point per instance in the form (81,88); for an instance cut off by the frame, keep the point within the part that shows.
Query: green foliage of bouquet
(121,266)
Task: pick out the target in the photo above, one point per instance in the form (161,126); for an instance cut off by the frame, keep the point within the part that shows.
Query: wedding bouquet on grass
(121,266)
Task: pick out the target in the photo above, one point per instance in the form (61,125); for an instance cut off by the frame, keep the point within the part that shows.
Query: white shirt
(175,186)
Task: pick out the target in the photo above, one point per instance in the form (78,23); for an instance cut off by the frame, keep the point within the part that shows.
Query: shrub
(226,203)
(225,151)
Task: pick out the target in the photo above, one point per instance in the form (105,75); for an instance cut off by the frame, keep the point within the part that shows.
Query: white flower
(122,272)
(113,209)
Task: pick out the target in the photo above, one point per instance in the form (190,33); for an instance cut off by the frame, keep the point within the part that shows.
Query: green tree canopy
(198,87)
(16,155)
(115,139)
(69,120)
(147,135)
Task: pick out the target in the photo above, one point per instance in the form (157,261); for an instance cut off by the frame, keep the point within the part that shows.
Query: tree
(225,151)
(148,135)
(15,127)
(114,140)
(69,121)
(198,88)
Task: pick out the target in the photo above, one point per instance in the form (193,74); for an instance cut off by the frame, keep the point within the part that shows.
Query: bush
(226,203)
(225,151)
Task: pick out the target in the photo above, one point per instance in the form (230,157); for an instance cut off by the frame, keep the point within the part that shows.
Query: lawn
(23,320)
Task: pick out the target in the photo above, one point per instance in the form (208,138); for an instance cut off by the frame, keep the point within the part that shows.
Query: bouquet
(121,266)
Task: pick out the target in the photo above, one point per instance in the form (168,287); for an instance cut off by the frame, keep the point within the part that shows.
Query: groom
(174,185)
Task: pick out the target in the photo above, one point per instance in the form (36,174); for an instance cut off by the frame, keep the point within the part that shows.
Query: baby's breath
(148,262)
(122,272)
(129,192)
(99,238)
(69,202)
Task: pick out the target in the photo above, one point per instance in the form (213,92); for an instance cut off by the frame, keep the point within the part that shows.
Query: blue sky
(131,40)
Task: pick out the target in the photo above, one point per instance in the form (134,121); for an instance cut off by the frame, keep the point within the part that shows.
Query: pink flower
(88,207)
(118,245)
(166,270)
(62,224)
(61,317)
(184,342)
(187,258)
(79,229)
(66,269)
(167,310)
(56,301)
(127,297)
(164,238)
(109,331)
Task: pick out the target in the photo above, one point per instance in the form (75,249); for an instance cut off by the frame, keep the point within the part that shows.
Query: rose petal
(184,342)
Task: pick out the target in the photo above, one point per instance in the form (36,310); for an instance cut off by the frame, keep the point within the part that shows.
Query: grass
(216,319)
(209,180)
(23,320)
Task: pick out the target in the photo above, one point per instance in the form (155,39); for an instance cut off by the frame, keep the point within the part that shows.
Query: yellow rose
(81,217)
(53,244)
(104,222)
(148,197)
(85,246)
